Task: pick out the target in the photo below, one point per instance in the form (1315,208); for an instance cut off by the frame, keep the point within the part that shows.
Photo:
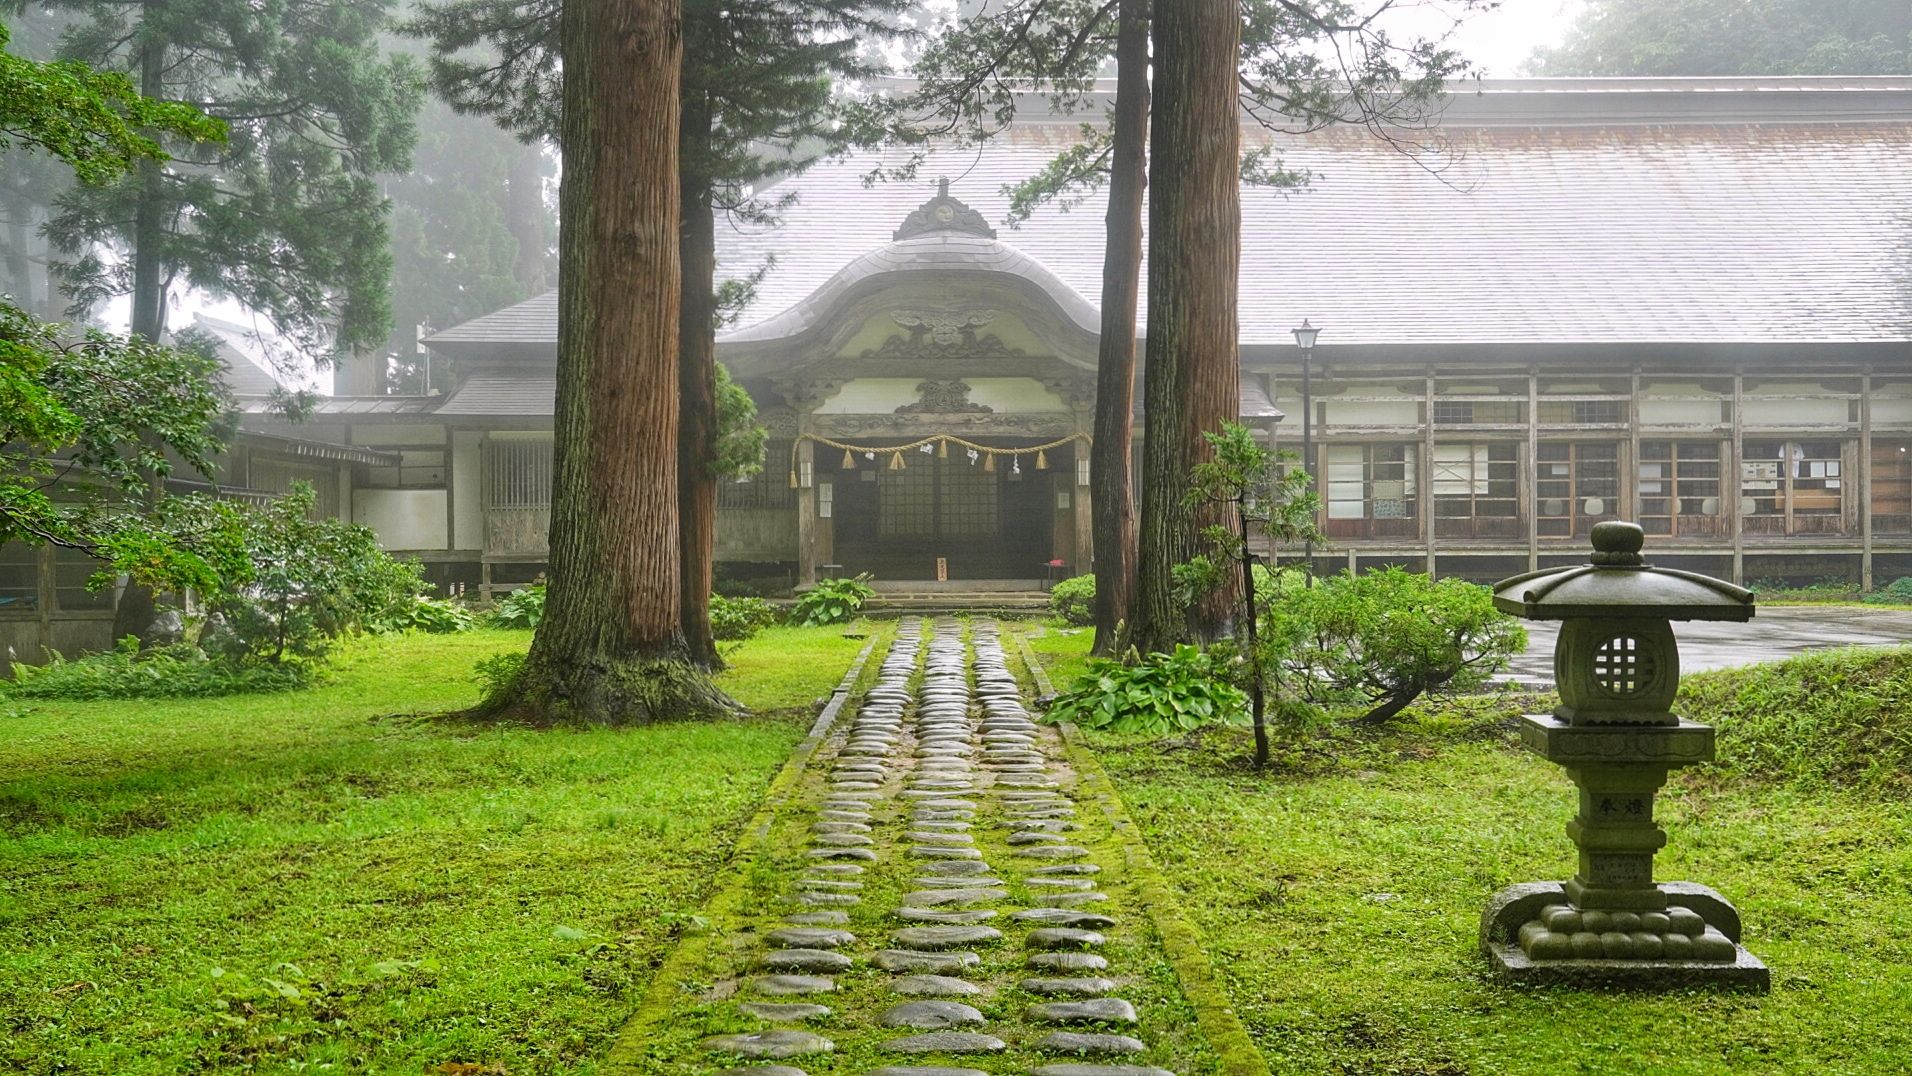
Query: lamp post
(1305,339)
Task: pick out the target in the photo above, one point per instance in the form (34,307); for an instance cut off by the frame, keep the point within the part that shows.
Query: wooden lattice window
(938,499)
(277,476)
(19,577)
(768,488)
(1576,484)
(518,474)
(1792,487)
(1680,487)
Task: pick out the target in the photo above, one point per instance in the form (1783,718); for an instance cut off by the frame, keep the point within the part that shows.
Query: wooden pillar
(1736,475)
(1084,558)
(1864,490)
(1630,466)
(804,456)
(1530,486)
(1427,471)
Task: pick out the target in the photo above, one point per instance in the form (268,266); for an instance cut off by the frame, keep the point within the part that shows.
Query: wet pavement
(1775,632)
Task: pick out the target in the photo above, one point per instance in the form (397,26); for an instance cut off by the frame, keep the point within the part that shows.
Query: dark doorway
(987,524)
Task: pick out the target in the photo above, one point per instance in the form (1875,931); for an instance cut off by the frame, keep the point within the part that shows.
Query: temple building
(1686,302)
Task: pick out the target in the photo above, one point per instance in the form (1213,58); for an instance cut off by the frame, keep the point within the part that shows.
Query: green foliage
(1073,600)
(1386,638)
(1831,718)
(498,674)
(740,440)
(522,608)
(433,616)
(1897,592)
(1157,695)
(173,672)
(831,601)
(311,582)
(88,428)
(733,619)
(1823,589)
(92,120)
(1735,37)
(286,216)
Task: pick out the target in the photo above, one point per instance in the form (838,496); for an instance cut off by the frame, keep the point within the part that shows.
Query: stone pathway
(944,911)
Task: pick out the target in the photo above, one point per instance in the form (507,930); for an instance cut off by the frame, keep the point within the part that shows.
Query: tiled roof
(483,394)
(1755,211)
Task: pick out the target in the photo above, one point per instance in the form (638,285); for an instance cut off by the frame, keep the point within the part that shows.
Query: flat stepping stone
(927,915)
(938,881)
(810,938)
(771,1045)
(1099,1070)
(931,898)
(863,854)
(838,899)
(804,960)
(1071,900)
(1064,917)
(947,805)
(1051,851)
(1089,987)
(1081,884)
(930,963)
(1028,838)
(836,884)
(924,1070)
(1067,868)
(840,827)
(842,840)
(785,985)
(930,1015)
(946,986)
(835,868)
(1063,938)
(1077,1042)
(1091,1011)
(763,1070)
(948,838)
(944,937)
(785,1011)
(947,1042)
(954,869)
(840,815)
(926,851)
(1069,961)
(818,919)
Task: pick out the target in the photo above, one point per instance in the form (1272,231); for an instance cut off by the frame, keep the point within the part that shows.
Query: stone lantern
(1617,668)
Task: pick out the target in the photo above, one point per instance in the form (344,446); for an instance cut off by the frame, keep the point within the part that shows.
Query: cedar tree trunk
(697,382)
(610,648)
(1113,504)
(1191,380)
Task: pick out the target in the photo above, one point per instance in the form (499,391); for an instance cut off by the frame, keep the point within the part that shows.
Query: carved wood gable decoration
(944,398)
(942,335)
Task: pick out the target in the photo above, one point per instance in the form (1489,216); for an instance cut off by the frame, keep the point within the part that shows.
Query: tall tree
(1735,37)
(1193,369)
(760,99)
(611,647)
(286,216)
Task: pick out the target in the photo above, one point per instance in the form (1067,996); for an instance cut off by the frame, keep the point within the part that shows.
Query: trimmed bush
(733,619)
(1897,592)
(173,672)
(1073,600)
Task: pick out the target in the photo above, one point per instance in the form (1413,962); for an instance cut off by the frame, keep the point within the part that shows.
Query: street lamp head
(1305,336)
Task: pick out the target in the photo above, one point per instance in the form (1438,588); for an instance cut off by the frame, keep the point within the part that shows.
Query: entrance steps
(1014,597)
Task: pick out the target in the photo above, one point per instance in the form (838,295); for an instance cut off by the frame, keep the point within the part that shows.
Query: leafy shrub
(1897,592)
(1386,638)
(173,672)
(1073,600)
(1831,588)
(831,601)
(312,580)
(522,608)
(1840,718)
(433,616)
(740,618)
(497,673)
(1161,694)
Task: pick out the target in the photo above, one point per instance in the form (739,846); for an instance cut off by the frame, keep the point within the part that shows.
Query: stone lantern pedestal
(1617,669)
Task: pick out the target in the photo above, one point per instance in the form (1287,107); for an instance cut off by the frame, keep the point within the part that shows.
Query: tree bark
(1113,504)
(137,607)
(610,648)
(1191,380)
(697,383)
(524,215)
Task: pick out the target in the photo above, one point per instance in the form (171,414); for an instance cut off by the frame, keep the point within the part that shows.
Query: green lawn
(1339,900)
(284,882)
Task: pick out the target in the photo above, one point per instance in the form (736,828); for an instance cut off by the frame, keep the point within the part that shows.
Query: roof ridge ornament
(944,213)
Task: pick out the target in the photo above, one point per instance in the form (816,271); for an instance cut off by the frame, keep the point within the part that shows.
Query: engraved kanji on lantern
(1617,668)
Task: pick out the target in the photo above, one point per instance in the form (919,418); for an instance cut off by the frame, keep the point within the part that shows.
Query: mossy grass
(308,879)
(1338,895)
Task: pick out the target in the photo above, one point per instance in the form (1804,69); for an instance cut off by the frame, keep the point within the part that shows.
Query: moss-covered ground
(323,880)
(1338,896)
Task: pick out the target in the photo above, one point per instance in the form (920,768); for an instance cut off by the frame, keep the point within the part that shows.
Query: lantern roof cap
(1619,583)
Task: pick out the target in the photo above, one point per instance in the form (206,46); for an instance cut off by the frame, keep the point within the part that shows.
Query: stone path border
(628,1051)
(1180,942)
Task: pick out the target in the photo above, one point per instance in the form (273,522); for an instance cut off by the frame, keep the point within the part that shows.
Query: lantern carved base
(1534,934)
